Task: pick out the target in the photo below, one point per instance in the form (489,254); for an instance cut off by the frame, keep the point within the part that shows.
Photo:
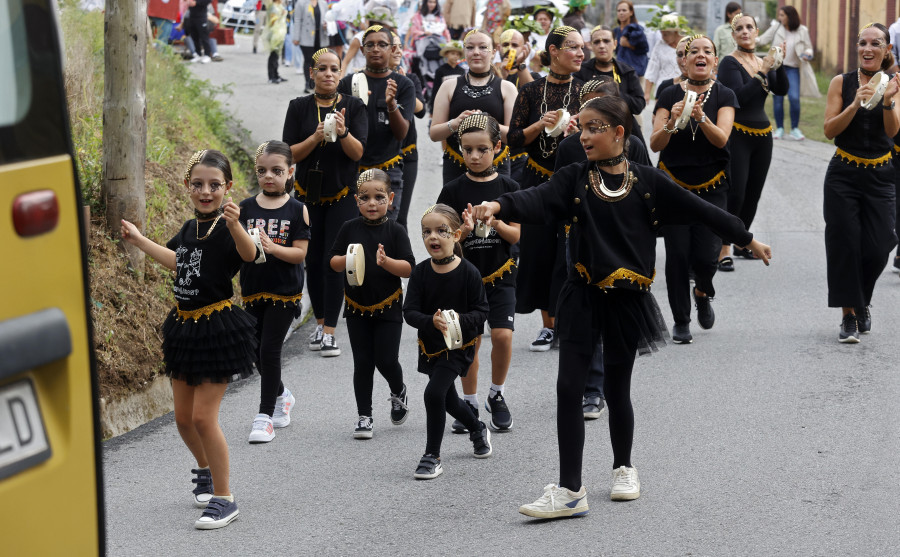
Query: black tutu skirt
(628,319)
(219,348)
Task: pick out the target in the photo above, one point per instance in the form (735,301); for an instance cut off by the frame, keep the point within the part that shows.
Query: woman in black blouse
(541,254)
(696,158)
(326,180)
(751,79)
(859,184)
(615,208)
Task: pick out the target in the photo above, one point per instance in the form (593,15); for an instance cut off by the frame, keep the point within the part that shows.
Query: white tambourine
(881,81)
(330,128)
(356,265)
(777,56)
(254,235)
(453,334)
(562,121)
(360,87)
(690,98)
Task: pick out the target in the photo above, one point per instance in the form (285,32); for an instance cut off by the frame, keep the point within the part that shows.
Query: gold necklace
(600,190)
(208,232)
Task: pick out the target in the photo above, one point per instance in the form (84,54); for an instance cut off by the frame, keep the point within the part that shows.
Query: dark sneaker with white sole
(544,341)
(364,427)
(329,346)
(681,333)
(429,468)
(863,320)
(849,331)
(706,317)
(315,338)
(481,441)
(457,426)
(592,407)
(203,487)
(501,419)
(399,407)
(219,513)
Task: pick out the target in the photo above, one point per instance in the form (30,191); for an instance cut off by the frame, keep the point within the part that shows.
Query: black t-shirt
(491,254)
(570,151)
(460,290)
(340,171)
(690,158)
(279,279)
(443,72)
(382,146)
(380,295)
(204,268)
(197,12)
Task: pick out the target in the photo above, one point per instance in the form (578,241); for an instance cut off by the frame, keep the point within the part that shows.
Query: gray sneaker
(592,407)
(219,513)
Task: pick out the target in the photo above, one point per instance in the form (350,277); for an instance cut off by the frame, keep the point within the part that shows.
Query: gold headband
(734,20)
(479,120)
(428,210)
(598,28)
(591,86)
(261,150)
(195,159)
(858,35)
(320,52)
(373,29)
(563,30)
(692,38)
(365,176)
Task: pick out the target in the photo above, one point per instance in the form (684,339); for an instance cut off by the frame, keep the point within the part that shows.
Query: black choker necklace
(370,69)
(747,50)
(489,171)
(375,222)
(446,260)
(598,63)
(273,193)
(479,74)
(613,161)
(867,72)
(211,214)
(700,82)
(559,76)
(325,96)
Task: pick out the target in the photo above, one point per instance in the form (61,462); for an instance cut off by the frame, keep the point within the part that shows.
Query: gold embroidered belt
(253,298)
(408,149)
(205,311)
(861,161)
(619,274)
(711,183)
(752,131)
(323,200)
(538,168)
(495,276)
(384,165)
(380,306)
(439,352)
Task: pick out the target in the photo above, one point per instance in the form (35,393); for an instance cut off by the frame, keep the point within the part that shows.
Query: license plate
(23,439)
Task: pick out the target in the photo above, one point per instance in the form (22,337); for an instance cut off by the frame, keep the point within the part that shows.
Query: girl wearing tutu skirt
(207,342)
(614,208)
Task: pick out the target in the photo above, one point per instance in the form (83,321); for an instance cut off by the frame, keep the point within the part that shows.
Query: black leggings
(200,36)
(441,399)
(273,65)
(751,156)
(410,172)
(375,344)
(618,362)
(272,322)
(308,52)
(326,287)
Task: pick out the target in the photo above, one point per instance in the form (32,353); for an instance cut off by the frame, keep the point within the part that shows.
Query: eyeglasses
(442,231)
(279,172)
(213,186)
(370,46)
(379,199)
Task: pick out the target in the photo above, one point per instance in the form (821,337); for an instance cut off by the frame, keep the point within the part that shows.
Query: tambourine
(510,58)
(777,55)
(690,98)
(360,87)
(562,121)
(254,235)
(881,81)
(482,230)
(356,265)
(330,128)
(453,334)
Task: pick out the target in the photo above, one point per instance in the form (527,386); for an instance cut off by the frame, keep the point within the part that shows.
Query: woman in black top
(389,110)
(696,158)
(752,80)
(615,208)
(859,184)
(325,180)
(535,110)
(479,90)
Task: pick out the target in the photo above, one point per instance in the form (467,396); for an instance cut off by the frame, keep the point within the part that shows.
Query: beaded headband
(599,28)
(873,24)
(591,86)
(321,51)
(373,29)
(365,176)
(563,31)
(692,38)
(475,31)
(261,150)
(195,159)
(734,20)
(478,120)
(428,210)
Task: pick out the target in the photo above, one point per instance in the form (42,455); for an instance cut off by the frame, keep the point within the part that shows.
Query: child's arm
(472,321)
(509,232)
(338,263)
(396,267)
(295,253)
(246,248)
(162,254)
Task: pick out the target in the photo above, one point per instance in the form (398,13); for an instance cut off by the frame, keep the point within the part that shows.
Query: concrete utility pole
(125,117)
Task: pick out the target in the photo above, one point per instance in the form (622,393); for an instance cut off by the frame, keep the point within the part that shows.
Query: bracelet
(396,107)
(449,127)
(762,81)
(891,106)
(702,119)
(667,130)
(345,134)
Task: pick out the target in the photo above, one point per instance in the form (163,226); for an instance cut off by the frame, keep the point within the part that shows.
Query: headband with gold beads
(372,29)
(735,19)
(318,53)
(365,176)
(598,28)
(261,150)
(873,24)
(591,86)
(428,210)
(692,38)
(195,159)
(563,31)
(478,120)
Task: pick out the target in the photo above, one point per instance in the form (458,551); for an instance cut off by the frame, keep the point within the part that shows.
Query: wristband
(449,127)
(891,106)
(345,134)
(667,130)
(396,107)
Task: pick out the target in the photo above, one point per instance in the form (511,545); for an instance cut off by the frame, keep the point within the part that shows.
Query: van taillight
(35,212)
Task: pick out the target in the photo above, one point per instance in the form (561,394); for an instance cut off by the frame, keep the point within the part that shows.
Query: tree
(125,117)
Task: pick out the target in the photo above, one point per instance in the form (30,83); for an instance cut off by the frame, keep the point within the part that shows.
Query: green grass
(812,112)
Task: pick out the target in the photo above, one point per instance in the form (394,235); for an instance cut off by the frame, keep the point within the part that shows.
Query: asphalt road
(764,437)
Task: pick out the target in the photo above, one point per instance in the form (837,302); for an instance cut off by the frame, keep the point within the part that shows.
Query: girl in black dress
(445,281)
(615,208)
(479,90)
(325,181)
(373,309)
(541,251)
(271,287)
(696,158)
(859,184)
(207,342)
(752,80)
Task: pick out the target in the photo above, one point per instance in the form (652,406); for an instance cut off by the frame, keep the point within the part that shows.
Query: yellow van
(51,488)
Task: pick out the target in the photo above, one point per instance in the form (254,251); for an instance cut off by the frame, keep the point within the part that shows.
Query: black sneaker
(457,426)
(501,419)
(429,468)
(481,441)
(364,427)
(681,333)
(315,338)
(706,317)
(849,332)
(219,513)
(399,408)
(203,488)
(863,320)
(544,341)
(329,346)
(592,407)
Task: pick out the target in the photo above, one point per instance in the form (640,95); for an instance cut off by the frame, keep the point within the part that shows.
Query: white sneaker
(263,431)
(315,338)
(329,347)
(778,133)
(205,59)
(626,485)
(194,59)
(557,502)
(283,405)
(797,135)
